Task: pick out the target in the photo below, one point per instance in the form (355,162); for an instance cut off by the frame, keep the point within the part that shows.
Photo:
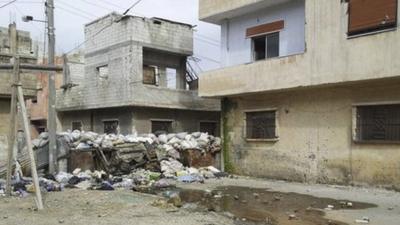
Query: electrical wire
(8,3)
(73,13)
(98,6)
(207,38)
(208,42)
(112,4)
(77,9)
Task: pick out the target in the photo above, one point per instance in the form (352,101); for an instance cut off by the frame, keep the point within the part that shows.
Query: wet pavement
(261,206)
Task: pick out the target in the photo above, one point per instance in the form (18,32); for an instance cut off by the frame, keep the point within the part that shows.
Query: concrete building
(137,79)
(38,106)
(310,89)
(13,41)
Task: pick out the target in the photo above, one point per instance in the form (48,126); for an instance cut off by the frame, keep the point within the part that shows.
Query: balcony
(330,58)
(79,98)
(214,11)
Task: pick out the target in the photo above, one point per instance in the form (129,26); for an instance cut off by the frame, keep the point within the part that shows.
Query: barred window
(111,126)
(77,125)
(161,127)
(261,125)
(378,123)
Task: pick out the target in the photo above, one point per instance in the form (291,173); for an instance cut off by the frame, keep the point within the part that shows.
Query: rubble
(129,162)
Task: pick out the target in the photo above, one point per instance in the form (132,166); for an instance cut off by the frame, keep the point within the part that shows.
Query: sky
(71,15)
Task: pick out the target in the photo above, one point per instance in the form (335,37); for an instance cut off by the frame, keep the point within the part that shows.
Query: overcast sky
(71,15)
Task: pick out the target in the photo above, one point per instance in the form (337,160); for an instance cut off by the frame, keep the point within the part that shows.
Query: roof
(122,17)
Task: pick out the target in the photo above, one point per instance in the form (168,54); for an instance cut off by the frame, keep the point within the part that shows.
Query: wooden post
(12,131)
(27,132)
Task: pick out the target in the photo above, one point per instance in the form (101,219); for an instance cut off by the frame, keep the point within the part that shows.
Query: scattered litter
(364,220)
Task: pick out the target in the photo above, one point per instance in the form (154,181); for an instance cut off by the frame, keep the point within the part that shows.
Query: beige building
(13,41)
(310,89)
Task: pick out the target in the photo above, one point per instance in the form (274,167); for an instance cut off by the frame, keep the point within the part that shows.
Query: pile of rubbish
(171,143)
(139,180)
(133,162)
(122,154)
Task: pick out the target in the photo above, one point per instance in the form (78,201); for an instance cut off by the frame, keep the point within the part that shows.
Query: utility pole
(51,120)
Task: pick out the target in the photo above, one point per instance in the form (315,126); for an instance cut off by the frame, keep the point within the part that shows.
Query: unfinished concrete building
(13,42)
(137,79)
(310,89)
(38,106)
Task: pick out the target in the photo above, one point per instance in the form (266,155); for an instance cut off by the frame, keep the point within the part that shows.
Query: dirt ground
(229,201)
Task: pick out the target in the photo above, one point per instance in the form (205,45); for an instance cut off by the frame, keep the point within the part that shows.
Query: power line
(98,6)
(207,38)
(205,41)
(80,10)
(74,13)
(112,4)
(8,3)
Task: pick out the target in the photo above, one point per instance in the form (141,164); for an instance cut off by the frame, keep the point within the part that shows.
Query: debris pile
(170,143)
(133,162)
(122,154)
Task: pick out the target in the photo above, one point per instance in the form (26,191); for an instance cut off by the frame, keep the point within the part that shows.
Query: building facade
(137,79)
(38,106)
(310,89)
(13,42)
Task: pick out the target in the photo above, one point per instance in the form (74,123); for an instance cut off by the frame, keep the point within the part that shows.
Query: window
(102,72)
(259,47)
(378,123)
(371,15)
(34,100)
(150,75)
(266,46)
(208,127)
(161,127)
(261,125)
(171,78)
(77,125)
(111,126)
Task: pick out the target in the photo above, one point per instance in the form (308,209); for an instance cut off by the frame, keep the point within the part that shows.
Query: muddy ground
(217,202)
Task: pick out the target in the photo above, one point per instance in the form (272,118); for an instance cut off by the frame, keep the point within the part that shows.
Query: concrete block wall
(137,119)
(315,129)
(169,36)
(120,46)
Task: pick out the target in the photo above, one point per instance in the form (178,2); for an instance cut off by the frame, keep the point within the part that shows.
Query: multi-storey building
(13,42)
(137,79)
(310,89)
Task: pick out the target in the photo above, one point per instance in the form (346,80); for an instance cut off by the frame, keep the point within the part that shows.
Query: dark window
(371,15)
(208,127)
(266,46)
(102,72)
(149,75)
(378,123)
(77,125)
(273,45)
(261,125)
(111,127)
(259,46)
(160,127)
(34,100)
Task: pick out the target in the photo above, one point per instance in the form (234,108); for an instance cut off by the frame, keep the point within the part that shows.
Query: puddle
(261,206)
